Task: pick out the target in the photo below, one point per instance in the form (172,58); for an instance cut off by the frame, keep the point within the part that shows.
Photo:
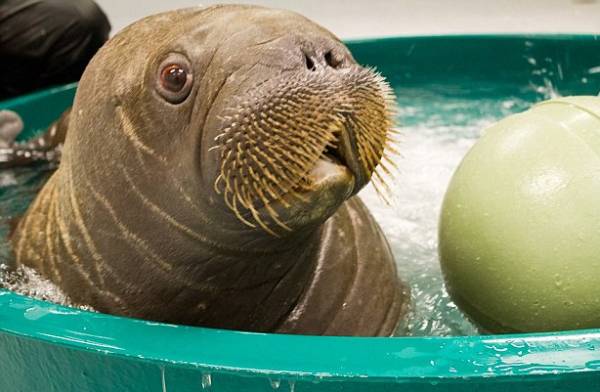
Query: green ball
(519,235)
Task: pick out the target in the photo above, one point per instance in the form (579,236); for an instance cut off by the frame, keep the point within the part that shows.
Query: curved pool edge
(304,357)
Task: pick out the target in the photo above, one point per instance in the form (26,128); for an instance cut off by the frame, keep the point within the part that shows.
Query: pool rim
(215,350)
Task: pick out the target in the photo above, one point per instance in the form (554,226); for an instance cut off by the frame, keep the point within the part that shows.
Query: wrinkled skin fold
(222,194)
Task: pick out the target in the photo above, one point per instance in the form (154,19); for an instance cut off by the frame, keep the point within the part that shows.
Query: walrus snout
(275,134)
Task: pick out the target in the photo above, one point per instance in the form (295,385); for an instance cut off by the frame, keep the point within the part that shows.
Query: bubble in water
(275,383)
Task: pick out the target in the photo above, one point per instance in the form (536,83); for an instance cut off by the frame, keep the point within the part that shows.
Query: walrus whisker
(216,183)
(238,214)
(270,176)
(258,138)
(297,143)
(233,203)
(389,160)
(369,157)
(221,135)
(247,196)
(226,198)
(304,157)
(391,147)
(239,196)
(381,186)
(276,133)
(284,190)
(274,214)
(256,217)
(382,165)
(265,201)
(268,188)
(294,166)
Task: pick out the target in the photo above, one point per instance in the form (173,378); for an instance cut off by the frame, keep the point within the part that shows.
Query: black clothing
(47,42)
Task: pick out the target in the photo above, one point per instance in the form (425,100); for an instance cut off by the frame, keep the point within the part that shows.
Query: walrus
(208,176)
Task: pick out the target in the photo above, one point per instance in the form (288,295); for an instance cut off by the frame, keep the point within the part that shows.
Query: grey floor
(368,18)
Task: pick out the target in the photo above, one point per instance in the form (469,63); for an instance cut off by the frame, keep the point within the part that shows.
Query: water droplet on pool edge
(275,383)
(206,380)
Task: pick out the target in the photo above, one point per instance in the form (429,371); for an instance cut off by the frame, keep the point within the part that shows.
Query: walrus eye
(175,79)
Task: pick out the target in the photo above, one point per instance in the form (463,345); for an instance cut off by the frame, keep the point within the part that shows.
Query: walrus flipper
(41,149)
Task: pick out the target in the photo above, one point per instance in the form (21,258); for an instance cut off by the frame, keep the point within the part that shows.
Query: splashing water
(438,125)
(27,281)
(437,133)
(410,224)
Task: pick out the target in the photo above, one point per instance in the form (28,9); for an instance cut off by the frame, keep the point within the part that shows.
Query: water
(438,124)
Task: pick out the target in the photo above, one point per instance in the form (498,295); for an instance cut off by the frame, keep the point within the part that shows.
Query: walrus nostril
(332,61)
(309,63)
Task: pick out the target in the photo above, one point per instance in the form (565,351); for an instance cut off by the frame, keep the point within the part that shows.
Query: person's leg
(47,42)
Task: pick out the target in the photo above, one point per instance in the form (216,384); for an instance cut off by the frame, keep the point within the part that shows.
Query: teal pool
(449,89)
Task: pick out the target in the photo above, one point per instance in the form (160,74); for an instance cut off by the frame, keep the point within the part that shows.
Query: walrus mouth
(275,137)
(344,153)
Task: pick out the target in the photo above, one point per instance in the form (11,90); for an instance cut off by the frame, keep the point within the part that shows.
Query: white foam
(28,282)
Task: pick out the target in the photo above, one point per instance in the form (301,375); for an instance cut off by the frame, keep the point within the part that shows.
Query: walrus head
(308,139)
(261,114)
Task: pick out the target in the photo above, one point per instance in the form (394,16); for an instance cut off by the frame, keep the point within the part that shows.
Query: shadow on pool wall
(46,347)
